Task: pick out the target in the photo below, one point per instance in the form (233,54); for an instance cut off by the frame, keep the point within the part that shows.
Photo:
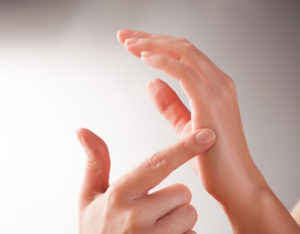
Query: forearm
(256,209)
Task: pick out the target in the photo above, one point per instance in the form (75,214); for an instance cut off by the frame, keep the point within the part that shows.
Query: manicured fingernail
(125,33)
(146,54)
(205,136)
(131,41)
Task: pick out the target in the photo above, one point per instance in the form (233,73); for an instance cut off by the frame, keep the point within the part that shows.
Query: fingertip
(152,85)
(80,133)
(84,132)
(119,36)
(123,34)
(88,138)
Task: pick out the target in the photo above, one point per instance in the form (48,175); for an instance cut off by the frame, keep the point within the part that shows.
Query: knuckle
(188,70)
(217,103)
(230,83)
(187,48)
(225,90)
(157,160)
(190,46)
(112,197)
(183,40)
(204,64)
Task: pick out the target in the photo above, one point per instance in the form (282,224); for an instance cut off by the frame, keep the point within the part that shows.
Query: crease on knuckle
(157,160)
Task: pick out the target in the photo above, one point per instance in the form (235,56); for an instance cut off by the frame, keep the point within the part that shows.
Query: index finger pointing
(155,169)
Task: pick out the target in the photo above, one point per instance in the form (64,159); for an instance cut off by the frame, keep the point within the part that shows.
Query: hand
(213,104)
(126,206)
(227,170)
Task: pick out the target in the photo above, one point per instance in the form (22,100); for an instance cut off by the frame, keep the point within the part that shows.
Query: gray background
(62,68)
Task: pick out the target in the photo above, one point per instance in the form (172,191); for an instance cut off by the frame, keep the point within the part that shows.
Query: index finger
(155,169)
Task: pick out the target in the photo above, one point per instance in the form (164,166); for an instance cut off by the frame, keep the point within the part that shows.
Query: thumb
(96,179)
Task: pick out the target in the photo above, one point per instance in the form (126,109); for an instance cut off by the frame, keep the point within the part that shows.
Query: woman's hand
(227,170)
(126,206)
(213,104)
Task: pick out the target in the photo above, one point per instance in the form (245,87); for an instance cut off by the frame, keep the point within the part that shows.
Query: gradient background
(62,68)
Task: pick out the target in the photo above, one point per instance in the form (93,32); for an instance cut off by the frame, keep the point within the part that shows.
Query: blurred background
(61,68)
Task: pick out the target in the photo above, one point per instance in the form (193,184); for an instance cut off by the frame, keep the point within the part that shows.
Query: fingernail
(131,41)
(89,155)
(146,54)
(125,33)
(205,136)
(80,138)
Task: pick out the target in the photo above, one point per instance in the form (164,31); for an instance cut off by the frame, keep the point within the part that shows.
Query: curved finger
(179,49)
(168,104)
(165,200)
(151,172)
(96,180)
(179,220)
(190,81)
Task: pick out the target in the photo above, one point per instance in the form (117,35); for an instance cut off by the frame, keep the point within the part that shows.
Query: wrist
(254,208)
(246,184)
(236,182)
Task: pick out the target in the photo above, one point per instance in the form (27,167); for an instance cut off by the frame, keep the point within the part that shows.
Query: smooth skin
(126,206)
(227,171)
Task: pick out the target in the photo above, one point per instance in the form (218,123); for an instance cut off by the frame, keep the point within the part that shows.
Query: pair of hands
(226,169)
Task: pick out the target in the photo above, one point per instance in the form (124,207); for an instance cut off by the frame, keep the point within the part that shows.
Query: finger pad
(161,94)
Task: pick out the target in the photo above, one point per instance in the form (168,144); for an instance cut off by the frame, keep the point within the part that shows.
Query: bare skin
(296,213)
(227,171)
(126,206)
